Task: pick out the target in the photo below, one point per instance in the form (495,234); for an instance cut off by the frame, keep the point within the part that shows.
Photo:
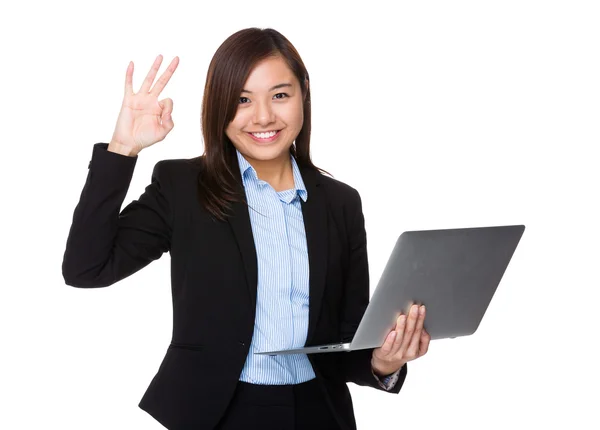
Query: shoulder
(344,205)
(178,168)
(342,200)
(338,192)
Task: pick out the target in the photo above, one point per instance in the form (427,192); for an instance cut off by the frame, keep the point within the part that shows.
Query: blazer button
(242,343)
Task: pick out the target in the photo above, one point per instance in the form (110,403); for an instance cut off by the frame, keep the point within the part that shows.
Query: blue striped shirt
(283,274)
(283,280)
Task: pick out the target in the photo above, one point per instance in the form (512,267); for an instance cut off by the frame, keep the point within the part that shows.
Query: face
(271,101)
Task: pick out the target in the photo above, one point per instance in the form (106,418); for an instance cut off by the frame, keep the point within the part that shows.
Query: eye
(278,94)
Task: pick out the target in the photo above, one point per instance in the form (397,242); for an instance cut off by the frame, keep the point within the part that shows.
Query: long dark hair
(219,183)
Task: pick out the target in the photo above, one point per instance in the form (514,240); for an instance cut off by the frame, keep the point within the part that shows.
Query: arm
(105,246)
(356,365)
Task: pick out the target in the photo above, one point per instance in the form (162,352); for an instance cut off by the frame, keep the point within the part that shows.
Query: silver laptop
(453,272)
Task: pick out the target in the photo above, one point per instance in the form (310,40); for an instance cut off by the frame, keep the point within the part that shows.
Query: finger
(129,79)
(167,126)
(151,75)
(411,322)
(388,344)
(166,118)
(413,347)
(400,325)
(424,347)
(164,78)
(167,106)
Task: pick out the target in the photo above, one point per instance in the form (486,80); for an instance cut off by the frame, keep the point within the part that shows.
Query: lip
(270,139)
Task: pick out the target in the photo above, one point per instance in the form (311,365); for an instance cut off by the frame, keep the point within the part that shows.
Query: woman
(266,252)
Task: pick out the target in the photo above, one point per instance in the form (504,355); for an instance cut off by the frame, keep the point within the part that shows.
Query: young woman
(266,251)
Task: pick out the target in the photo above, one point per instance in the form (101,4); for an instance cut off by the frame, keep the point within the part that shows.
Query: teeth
(265,135)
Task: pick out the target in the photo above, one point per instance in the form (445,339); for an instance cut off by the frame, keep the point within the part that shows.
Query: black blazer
(214,281)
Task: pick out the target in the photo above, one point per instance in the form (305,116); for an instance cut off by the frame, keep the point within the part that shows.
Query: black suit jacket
(214,281)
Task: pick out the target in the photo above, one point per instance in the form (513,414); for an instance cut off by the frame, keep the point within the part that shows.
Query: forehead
(269,72)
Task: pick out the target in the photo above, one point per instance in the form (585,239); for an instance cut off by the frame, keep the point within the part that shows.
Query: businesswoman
(267,252)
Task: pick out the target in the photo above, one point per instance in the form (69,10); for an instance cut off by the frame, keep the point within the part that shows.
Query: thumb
(165,118)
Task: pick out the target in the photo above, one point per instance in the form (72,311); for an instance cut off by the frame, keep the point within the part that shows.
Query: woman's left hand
(407,342)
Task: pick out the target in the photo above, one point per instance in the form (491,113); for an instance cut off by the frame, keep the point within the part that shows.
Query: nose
(263,113)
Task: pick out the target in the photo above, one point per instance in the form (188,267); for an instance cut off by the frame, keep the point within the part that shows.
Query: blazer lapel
(242,230)
(314,212)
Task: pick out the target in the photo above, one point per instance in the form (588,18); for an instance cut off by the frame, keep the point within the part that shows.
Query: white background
(442,114)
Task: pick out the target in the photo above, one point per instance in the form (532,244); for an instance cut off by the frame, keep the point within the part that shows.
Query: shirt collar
(248,173)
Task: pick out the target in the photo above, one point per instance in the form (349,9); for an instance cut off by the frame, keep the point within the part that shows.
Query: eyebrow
(272,88)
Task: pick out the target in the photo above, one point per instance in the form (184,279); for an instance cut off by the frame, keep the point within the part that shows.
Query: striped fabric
(283,280)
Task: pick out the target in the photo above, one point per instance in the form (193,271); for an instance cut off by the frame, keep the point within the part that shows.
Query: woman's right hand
(144,120)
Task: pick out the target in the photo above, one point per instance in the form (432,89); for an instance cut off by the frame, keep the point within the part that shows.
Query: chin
(265,153)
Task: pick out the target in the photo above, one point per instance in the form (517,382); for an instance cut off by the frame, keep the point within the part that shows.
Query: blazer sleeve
(105,246)
(356,365)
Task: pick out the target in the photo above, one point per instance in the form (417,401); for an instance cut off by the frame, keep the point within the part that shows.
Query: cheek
(297,116)
(235,126)
(229,132)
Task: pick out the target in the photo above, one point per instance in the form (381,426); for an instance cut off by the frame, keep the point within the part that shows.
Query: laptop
(453,272)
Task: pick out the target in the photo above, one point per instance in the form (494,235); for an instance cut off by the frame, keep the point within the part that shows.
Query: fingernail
(422,309)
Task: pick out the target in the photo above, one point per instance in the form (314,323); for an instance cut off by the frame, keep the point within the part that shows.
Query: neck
(278,173)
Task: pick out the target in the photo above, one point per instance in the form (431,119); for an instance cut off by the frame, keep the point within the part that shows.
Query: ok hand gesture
(144,120)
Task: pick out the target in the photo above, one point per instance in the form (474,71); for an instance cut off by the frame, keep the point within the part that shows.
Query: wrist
(382,372)
(382,375)
(122,149)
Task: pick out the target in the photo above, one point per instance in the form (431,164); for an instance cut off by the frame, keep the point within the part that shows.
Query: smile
(268,136)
